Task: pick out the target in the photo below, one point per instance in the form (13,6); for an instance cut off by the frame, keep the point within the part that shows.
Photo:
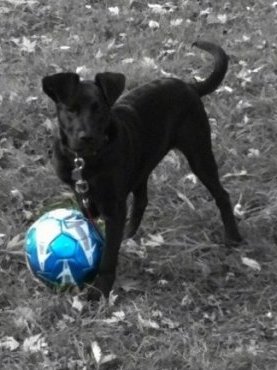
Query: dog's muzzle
(88,145)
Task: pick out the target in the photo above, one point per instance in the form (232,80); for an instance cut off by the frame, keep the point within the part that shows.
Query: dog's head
(84,108)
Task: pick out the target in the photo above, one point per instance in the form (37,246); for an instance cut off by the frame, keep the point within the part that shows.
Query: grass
(181,300)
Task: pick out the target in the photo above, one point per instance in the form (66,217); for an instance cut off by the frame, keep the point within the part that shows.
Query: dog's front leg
(114,226)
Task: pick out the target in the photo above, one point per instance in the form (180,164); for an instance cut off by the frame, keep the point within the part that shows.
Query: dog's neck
(96,160)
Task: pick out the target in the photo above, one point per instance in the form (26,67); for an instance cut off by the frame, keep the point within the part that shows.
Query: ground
(182,300)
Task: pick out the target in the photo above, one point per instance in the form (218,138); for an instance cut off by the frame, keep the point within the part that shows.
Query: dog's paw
(233,241)
(101,287)
(93,294)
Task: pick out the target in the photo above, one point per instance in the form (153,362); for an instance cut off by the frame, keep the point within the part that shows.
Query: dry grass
(184,301)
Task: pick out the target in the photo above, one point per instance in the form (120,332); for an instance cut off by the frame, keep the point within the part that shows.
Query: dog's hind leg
(202,163)
(140,201)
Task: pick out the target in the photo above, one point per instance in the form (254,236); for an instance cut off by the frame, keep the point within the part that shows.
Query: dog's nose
(83,136)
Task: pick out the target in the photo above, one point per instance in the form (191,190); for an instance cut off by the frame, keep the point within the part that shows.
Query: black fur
(122,139)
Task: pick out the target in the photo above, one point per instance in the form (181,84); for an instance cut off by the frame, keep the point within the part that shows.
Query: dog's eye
(94,106)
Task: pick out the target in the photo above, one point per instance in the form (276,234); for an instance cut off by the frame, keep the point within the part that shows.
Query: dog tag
(81,187)
(85,202)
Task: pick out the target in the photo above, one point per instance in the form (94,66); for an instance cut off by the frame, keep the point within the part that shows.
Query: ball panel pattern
(63,248)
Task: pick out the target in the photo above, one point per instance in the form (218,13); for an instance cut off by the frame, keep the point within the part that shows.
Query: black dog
(123,140)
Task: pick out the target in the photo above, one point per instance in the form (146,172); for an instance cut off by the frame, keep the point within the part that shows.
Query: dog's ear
(61,87)
(111,84)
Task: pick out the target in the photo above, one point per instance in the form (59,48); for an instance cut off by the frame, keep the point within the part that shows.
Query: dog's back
(162,102)
(121,143)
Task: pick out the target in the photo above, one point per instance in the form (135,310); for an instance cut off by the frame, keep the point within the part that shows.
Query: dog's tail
(220,67)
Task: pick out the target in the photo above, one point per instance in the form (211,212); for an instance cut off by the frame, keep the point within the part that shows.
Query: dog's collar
(81,187)
(73,154)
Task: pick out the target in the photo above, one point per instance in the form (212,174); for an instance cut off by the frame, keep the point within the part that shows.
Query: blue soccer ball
(63,248)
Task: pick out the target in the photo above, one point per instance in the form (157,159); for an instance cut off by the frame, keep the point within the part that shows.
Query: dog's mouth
(82,152)
(89,148)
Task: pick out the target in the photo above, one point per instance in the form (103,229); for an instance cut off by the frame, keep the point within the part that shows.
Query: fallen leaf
(27,45)
(134,248)
(28,215)
(83,70)
(157,8)
(186,301)
(155,240)
(253,348)
(111,44)
(49,125)
(62,324)
(153,25)
(225,88)
(236,174)
(114,10)
(173,159)
(184,198)
(238,211)
(120,315)
(198,78)
(149,62)
(170,324)
(147,323)
(108,358)
(253,153)
(99,54)
(157,314)
(191,177)
(31,98)
(96,350)
(128,60)
(150,271)
(64,47)
(9,343)
(77,304)
(13,96)
(162,282)
(35,343)
(23,316)
(46,39)
(254,265)
(116,317)
(5,10)
(176,22)
(166,74)
(16,242)
(129,285)
(21,2)
(222,18)
(205,11)
(244,74)
(112,298)
(269,315)
(17,195)
(217,19)
(68,318)
(246,38)
(258,69)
